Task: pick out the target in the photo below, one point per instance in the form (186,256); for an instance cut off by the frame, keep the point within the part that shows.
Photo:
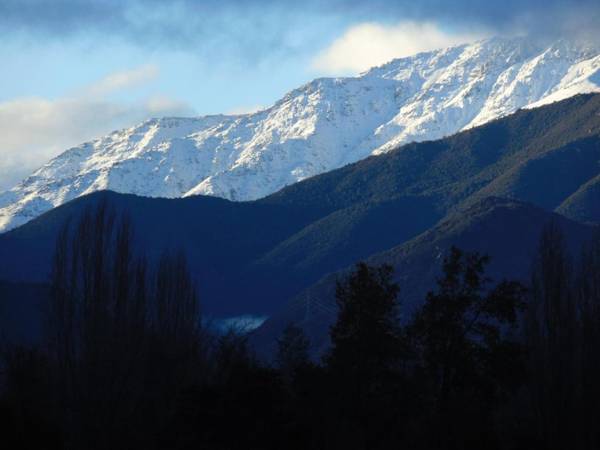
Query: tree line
(127,361)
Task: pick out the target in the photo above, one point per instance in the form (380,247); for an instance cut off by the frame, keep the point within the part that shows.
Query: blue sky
(75,69)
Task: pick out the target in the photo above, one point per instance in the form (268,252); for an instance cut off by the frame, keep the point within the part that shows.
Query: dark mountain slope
(453,168)
(252,257)
(220,237)
(21,312)
(547,179)
(347,235)
(583,205)
(506,230)
(541,156)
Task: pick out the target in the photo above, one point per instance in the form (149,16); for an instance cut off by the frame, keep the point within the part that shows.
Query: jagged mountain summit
(320,126)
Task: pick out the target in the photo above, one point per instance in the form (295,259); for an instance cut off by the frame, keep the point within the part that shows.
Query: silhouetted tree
(366,337)
(120,336)
(552,338)
(366,351)
(588,297)
(466,357)
(27,402)
(127,364)
(292,351)
(564,343)
(244,406)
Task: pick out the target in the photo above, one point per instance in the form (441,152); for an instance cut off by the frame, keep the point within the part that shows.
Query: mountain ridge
(251,257)
(320,126)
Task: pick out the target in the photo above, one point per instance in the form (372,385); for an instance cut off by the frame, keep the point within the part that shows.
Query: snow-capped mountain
(320,126)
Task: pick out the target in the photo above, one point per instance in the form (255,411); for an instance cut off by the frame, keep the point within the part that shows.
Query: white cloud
(124,79)
(33,130)
(371,44)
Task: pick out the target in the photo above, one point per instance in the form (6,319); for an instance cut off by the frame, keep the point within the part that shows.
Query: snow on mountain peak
(320,126)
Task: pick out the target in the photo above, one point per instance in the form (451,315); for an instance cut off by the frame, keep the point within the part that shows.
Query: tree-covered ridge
(261,254)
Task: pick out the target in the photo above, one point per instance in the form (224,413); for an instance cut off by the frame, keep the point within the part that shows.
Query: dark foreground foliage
(126,363)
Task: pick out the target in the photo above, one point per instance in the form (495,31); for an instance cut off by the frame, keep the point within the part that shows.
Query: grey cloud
(257,27)
(192,25)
